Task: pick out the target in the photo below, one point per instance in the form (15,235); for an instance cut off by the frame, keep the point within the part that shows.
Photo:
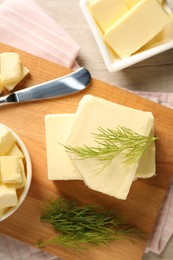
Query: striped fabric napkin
(164,226)
(25,26)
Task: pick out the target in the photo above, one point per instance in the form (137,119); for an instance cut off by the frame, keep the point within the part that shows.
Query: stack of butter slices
(12,170)
(95,120)
(128,25)
(12,71)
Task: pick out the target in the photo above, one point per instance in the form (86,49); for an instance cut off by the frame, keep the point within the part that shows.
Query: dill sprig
(111,143)
(80,226)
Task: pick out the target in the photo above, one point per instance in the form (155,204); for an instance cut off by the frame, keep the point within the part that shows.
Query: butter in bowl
(15,172)
(129,31)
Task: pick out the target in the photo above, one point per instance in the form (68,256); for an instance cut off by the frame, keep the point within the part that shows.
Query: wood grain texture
(146,196)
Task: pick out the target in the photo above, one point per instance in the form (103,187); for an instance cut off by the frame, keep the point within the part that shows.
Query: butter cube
(60,166)
(137,27)
(25,72)
(8,196)
(10,67)
(3,211)
(15,151)
(10,169)
(7,140)
(106,12)
(23,175)
(92,113)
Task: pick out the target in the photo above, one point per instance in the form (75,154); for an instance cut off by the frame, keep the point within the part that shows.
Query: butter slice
(147,164)
(7,140)
(92,112)
(106,12)
(8,196)
(137,27)
(10,67)
(60,167)
(131,3)
(10,169)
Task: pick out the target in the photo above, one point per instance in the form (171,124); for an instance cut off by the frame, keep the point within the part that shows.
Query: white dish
(28,176)
(161,43)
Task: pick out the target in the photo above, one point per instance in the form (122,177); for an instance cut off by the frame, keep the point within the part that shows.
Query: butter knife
(59,87)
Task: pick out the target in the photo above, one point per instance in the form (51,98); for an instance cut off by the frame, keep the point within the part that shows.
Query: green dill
(111,143)
(80,226)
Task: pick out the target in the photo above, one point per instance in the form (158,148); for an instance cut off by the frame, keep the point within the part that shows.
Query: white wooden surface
(154,74)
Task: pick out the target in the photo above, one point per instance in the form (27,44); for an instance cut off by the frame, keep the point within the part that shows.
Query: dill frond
(111,143)
(81,226)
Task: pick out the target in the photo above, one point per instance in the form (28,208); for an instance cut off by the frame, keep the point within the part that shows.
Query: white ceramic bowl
(28,176)
(162,42)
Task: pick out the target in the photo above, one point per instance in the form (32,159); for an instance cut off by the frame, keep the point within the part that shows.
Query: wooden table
(154,74)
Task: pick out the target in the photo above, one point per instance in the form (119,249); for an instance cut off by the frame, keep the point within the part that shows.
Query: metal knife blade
(66,85)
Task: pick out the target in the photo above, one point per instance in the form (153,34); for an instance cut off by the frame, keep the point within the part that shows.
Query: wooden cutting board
(146,196)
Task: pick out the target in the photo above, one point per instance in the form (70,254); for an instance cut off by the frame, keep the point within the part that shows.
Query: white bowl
(28,175)
(161,43)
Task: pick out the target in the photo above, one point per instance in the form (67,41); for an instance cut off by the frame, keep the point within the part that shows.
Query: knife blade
(66,85)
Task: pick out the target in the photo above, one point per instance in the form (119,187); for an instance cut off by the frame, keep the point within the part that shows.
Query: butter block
(8,196)
(59,165)
(137,27)
(92,112)
(10,169)
(131,3)
(25,72)
(7,140)
(106,12)
(10,67)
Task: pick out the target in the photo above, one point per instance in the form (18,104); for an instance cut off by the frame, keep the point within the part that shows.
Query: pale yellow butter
(3,211)
(60,166)
(7,140)
(8,196)
(25,72)
(106,12)
(147,165)
(23,175)
(10,169)
(1,85)
(16,151)
(10,67)
(137,27)
(131,3)
(92,113)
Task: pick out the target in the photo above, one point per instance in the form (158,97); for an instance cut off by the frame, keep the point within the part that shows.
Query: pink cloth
(164,226)
(24,25)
